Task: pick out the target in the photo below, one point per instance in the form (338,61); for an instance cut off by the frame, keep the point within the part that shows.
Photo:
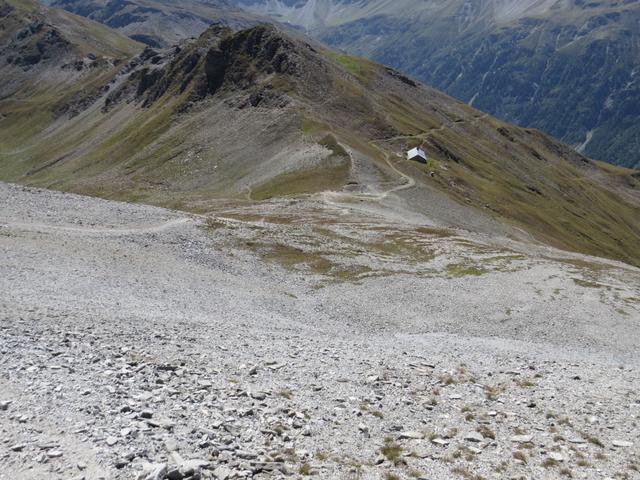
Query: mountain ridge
(262,113)
(522,61)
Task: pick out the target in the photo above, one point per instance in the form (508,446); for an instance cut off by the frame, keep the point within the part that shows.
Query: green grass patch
(353,64)
(330,142)
(392,451)
(457,270)
(359,67)
(319,263)
(587,284)
(330,174)
(303,182)
(311,126)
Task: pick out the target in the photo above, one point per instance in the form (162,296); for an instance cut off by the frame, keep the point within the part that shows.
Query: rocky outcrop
(220,60)
(36,42)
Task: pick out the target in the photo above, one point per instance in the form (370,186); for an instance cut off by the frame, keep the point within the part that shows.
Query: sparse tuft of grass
(564,421)
(305,469)
(486,432)
(587,284)
(447,379)
(451,433)
(524,382)
(286,393)
(466,474)
(392,451)
(501,467)
(565,472)
(592,439)
(322,456)
(492,392)
(519,455)
(280,429)
(214,224)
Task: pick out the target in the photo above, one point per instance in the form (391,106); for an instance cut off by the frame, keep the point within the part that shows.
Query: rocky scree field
(297,339)
(300,301)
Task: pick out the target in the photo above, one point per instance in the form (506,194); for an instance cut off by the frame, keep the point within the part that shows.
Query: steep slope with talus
(261,113)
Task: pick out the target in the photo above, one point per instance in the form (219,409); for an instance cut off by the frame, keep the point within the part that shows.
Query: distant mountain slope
(260,113)
(568,67)
(158,23)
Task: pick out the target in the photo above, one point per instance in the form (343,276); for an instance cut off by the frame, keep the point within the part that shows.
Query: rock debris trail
(304,346)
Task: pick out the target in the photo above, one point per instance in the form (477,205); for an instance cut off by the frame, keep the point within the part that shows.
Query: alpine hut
(417,155)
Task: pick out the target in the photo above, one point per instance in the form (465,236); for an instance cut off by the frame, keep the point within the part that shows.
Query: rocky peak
(5,9)
(222,60)
(30,38)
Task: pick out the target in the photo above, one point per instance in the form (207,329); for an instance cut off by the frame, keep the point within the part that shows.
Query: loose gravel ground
(292,338)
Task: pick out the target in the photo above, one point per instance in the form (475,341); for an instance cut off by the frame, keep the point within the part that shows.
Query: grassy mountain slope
(261,113)
(569,68)
(51,60)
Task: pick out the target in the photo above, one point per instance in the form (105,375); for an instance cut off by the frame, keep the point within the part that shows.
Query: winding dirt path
(409,182)
(41,227)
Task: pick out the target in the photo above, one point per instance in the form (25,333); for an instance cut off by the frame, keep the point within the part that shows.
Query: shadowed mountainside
(159,23)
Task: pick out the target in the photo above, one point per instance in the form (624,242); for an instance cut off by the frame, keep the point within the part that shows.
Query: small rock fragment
(474,437)
(521,438)
(157,472)
(622,444)
(558,457)
(440,441)
(221,473)
(174,474)
(258,395)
